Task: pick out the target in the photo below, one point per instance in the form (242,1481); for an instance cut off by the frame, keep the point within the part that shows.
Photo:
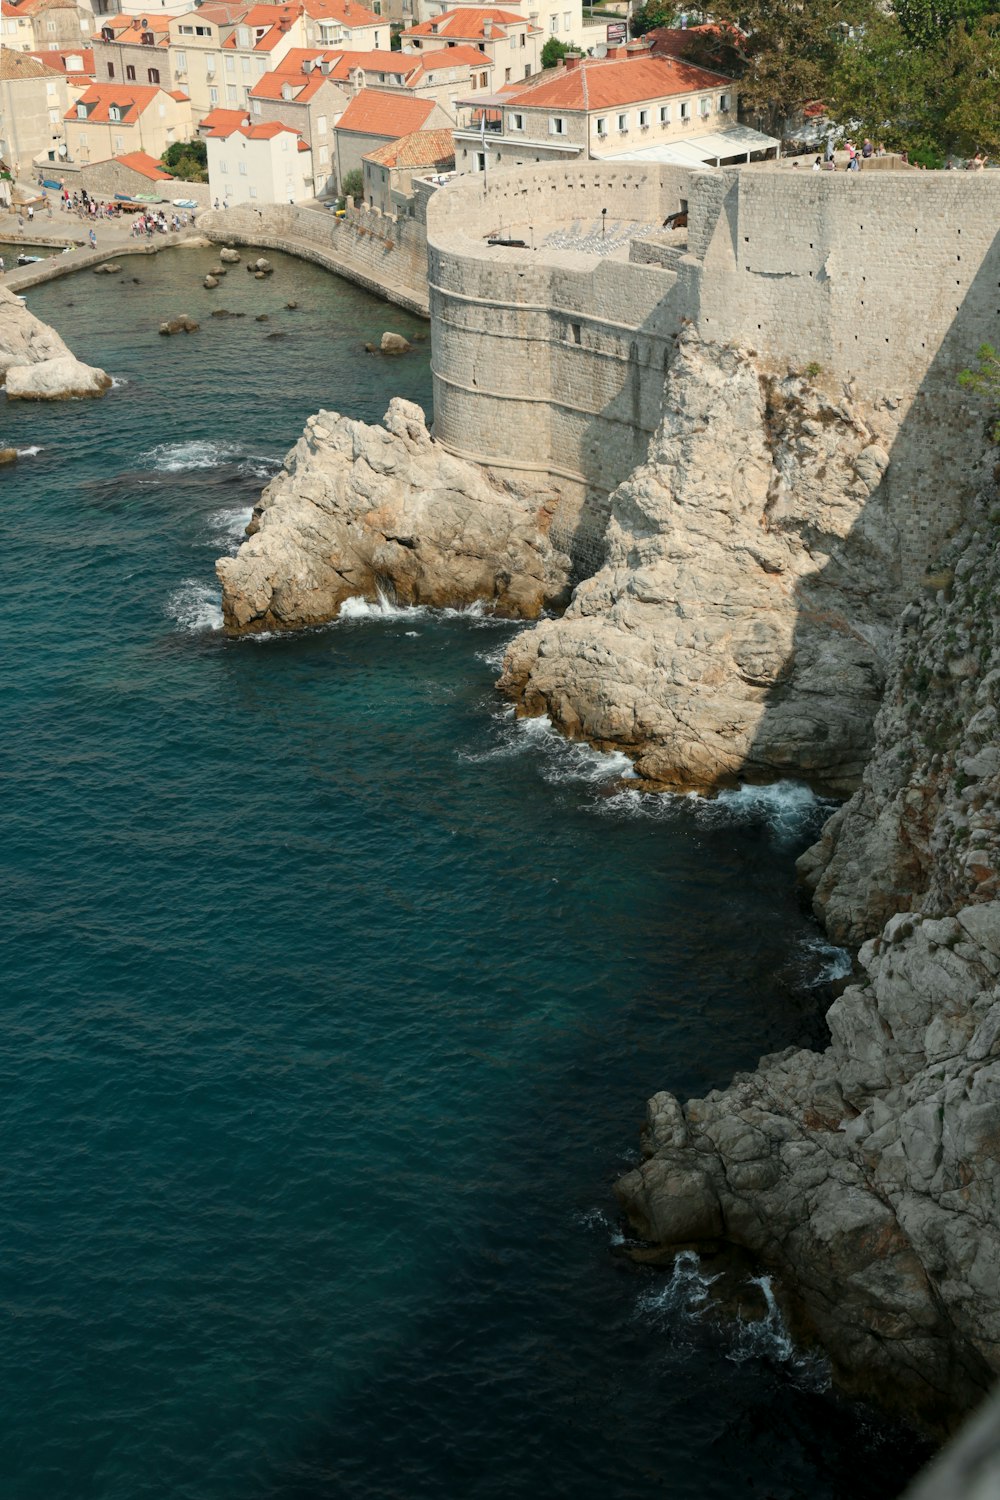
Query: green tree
(985,381)
(653,14)
(553,50)
(925,22)
(353,185)
(783,51)
(187,160)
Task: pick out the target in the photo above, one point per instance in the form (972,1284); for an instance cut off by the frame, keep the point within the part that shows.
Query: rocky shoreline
(750,621)
(35,363)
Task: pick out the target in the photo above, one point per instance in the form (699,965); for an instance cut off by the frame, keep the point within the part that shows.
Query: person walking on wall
(93,239)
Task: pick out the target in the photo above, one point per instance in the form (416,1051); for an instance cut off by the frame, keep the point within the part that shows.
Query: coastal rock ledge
(365,511)
(35,364)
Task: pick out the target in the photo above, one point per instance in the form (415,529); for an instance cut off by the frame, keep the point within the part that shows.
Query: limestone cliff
(733,628)
(35,364)
(868,1175)
(359,510)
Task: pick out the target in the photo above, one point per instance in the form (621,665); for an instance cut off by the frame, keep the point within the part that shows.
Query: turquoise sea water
(333,995)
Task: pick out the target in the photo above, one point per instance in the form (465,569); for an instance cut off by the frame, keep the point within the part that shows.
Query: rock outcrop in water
(868,1175)
(733,628)
(35,364)
(361,510)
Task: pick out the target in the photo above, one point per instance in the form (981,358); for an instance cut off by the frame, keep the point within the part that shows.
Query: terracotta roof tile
(468,24)
(606,84)
(372,112)
(131,99)
(60,61)
(18,65)
(141,161)
(421,148)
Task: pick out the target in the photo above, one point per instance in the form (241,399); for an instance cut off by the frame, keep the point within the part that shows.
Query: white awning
(713,149)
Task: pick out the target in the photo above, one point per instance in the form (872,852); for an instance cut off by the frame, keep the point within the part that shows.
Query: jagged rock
(229,256)
(260,275)
(210,282)
(394,343)
(8,456)
(262,318)
(217,271)
(868,1176)
(60,379)
(179,324)
(291,306)
(357,510)
(260,267)
(712,644)
(108,269)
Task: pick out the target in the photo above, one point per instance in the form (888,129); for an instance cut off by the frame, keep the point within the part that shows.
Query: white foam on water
(830,962)
(206,453)
(597,1219)
(381,608)
(29,452)
(117,381)
(562,760)
(767,1338)
(228,526)
(196,606)
(786,809)
(680,1298)
(493,658)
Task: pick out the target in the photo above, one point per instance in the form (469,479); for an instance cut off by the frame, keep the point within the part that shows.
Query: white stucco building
(255,163)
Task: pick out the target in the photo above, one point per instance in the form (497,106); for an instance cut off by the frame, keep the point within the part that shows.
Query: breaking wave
(196,607)
(29,452)
(828,962)
(208,453)
(679,1304)
(562,760)
(228,526)
(787,811)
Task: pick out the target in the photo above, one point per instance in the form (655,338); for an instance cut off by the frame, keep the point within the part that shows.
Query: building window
(202,31)
(557,125)
(685,111)
(321,125)
(153,74)
(723,104)
(517,122)
(664,114)
(213,96)
(223,166)
(256,106)
(553,23)
(253,192)
(602,125)
(181,61)
(130,72)
(231,66)
(186,30)
(114,113)
(522,38)
(506,75)
(644,119)
(324,156)
(243,169)
(705,108)
(623,124)
(111,70)
(483,80)
(566,20)
(119,143)
(231,95)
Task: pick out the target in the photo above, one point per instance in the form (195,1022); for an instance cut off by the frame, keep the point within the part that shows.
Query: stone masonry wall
(550,362)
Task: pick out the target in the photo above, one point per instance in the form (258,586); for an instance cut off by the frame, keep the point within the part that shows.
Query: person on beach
(93,239)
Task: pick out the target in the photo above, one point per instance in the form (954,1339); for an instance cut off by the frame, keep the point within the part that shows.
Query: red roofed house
(375,117)
(255,164)
(389,170)
(110,119)
(511,42)
(310,90)
(594,107)
(134,49)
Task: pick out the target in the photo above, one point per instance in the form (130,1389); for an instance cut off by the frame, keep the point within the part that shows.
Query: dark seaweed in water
(332,996)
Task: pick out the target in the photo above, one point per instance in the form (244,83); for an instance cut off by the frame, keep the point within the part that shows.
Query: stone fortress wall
(551,362)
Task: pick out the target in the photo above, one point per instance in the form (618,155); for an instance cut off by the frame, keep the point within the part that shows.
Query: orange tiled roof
(222,123)
(608,83)
(60,61)
(451,57)
(421,148)
(32,7)
(141,161)
(131,99)
(128,32)
(469,24)
(17,65)
(372,112)
(342,64)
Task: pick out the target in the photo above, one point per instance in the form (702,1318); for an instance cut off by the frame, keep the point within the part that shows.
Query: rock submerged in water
(7,456)
(110,268)
(210,283)
(360,510)
(229,256)
(180,324)
(394,343)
